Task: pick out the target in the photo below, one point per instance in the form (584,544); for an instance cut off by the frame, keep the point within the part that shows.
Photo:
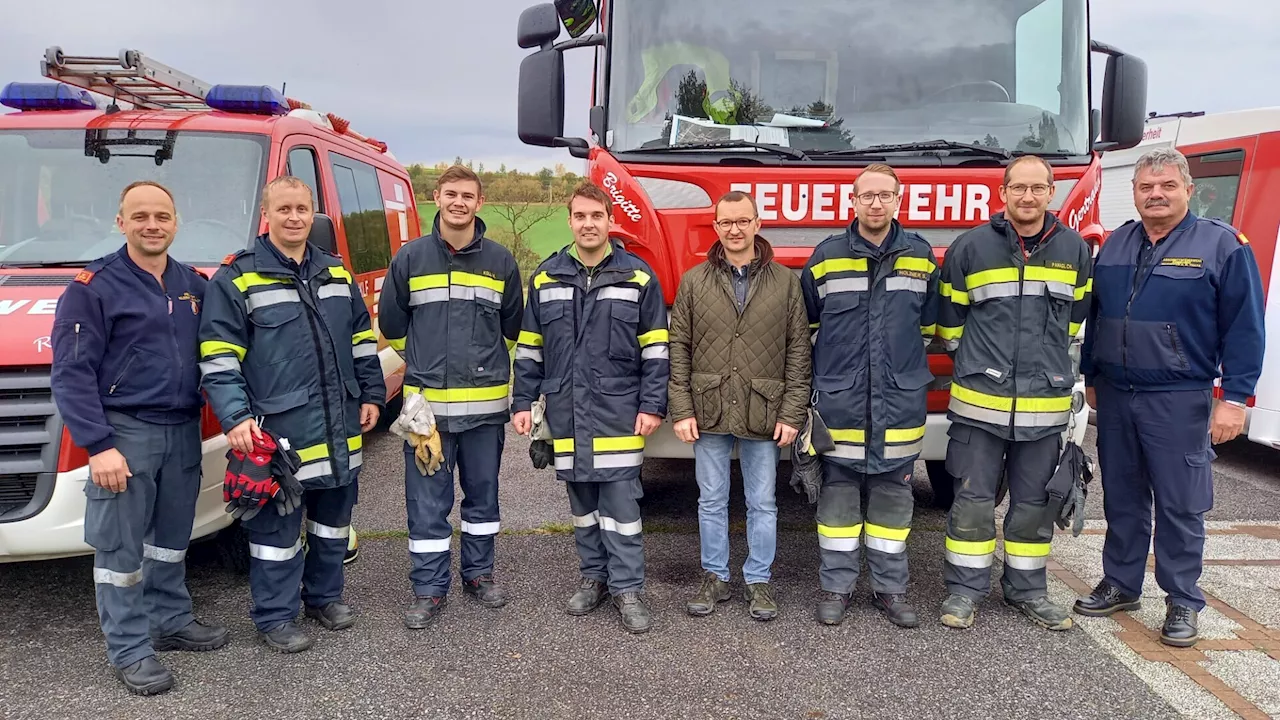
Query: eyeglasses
(886,197)
(1037,190)
(740,223)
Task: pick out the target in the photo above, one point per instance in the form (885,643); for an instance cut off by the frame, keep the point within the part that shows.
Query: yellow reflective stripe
(901,435)
(615,444)
(888,533)
(966,547)
(835,265)
(315,452)
(1045,405)
(1036,272)
(1026,549)
(1082,291)
(640,278)
(510,343)
(412,390)
(929,329)
(950,333)
(541,279)
(924,265)
(532,339)
(362,336)
(458,277)
(1005,404)
(562,445)
(341,272)
(215,347)
(396,343)
(428,282)
(1073,329)
(814,326)
(355,443)
(852,531)
(497,392)
(994,275)
(849,436)
(654,336)
(253,279)
(959,297)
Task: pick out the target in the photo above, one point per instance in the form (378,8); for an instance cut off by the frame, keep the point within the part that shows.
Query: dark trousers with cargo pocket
(281,574)
(477,454)
(141,535)
(608,533)
(977,460)
(842,526)
(1155,445)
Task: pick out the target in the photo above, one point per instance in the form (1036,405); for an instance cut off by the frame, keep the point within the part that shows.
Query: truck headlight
(1074,351)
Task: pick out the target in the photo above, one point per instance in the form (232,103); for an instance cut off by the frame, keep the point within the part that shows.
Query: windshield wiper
(46,264)
(952,148)
(727,145)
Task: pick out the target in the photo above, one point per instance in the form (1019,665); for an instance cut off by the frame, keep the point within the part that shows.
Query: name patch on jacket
(1182,262)
(915,274)
(1057,265)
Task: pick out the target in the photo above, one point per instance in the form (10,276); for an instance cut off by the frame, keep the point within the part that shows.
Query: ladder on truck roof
(130,77)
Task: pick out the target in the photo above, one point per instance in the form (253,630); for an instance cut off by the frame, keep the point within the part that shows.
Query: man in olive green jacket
(739,372)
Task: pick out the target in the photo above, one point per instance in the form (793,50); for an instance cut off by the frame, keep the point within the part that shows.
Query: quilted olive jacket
(739,373)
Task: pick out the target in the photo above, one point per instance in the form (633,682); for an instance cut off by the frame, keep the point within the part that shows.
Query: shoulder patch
(84,276)
(1243,240)
(230,258)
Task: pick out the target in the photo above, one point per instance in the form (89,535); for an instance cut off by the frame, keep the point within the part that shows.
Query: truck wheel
(944,485)
(233,548)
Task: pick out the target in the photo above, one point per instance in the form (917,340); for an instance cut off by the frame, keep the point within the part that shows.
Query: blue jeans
(759,462)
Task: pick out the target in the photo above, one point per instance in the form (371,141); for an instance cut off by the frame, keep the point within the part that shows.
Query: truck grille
(35,280)
(29,433)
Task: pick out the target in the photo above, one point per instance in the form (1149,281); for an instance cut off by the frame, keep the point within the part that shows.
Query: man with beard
(449,301)
(126,384)
(1014,293)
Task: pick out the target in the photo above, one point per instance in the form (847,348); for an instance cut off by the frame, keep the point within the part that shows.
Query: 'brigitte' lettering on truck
(818,202)
(627,207)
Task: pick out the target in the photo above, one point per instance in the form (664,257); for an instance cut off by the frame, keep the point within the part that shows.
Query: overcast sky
(437,78)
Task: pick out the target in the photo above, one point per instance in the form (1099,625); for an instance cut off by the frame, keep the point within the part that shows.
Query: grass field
(545,238)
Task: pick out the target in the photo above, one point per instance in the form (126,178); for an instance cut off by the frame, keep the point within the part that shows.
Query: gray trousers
(841,528)
(141,536)
(608,532)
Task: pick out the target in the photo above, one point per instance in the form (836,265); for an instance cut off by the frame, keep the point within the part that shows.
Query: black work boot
(423,611)
(712,590)
(761,603)
(958,611)
(334,616)
(146,677)
(895,607)
(1043,612)
(636,617)
(1180,626)
(590,594)
(1105,600)
(195,637)
(286,638)
(483,588)
(832,606)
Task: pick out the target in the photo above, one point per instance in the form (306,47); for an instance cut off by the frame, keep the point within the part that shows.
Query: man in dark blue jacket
(1178,305)
(126,384)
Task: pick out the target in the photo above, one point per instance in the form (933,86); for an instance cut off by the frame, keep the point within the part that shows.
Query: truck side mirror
(539,26)
(540,104)
(1124,100)
(322,234)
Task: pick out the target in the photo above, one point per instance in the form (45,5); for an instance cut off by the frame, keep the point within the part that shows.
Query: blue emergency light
(251,99)
(46,96)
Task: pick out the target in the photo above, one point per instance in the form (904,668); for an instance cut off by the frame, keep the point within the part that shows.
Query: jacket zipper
(324,381)
(77,350)
(112,390)
(1177,348)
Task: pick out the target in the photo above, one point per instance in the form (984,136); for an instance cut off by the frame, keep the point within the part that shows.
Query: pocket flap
(353,388)
(770,388)
(1178,272)
(1058,380)
(702,382)
(550,385)
(276,315)
(281,403)
(841,301)
(913,379)
(619,385)
(833,383)
(998,374)
(1201,458)
(551,311)
(625,311)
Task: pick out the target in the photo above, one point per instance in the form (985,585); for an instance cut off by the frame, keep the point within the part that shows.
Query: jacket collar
(133,266)
(895,237)
(1187,221)
(764,255)
(1000,223)
(472,246)
(268,258)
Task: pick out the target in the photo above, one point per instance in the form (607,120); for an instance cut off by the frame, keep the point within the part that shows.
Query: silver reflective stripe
(838,544)
(528,353)
(271,553)
(564,462)
(1020,562)
(485,528)
(620,460)
(555,293)
(1061,289)
(973,412)
(467,292)
(425,547)
(893,547)
(314,470)
(617,293)
(270,297)
(365,349)
(1041,419)
(655,352)
(906,283)
(355,459)
(849,452)
(459,409)
(155,552)
(328,531)
(119,579)
(1033,288)
(220,364)
(434,295)
(903,451)
(839,285)
(994,290)
(586,521)
(329,290)
(621,528)
(970,561)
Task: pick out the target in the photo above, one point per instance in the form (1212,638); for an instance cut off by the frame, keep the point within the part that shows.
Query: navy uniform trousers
(141,535)
(608,532)
(1155,444)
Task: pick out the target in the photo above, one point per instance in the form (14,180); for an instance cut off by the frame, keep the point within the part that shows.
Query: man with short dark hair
(739,374)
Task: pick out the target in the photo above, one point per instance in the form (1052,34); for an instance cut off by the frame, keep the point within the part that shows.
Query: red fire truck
(63,162)
(1235,168)
(789,101)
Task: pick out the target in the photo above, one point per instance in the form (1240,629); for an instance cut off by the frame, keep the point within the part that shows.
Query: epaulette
(1239,236)
(232,257)
(84,276)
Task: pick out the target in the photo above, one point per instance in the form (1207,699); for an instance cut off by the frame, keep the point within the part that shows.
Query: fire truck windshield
(831,75)
(58,199)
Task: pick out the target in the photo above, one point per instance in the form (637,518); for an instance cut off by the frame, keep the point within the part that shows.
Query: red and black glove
(249,485)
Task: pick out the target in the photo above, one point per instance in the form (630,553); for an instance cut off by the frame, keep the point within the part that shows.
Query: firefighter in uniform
(594,345)
(871,296)
(1014,293)
(126,385)
(286,346)
(451,304)
(1177,298)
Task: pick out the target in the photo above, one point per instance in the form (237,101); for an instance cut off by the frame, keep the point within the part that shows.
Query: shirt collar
(573,253)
